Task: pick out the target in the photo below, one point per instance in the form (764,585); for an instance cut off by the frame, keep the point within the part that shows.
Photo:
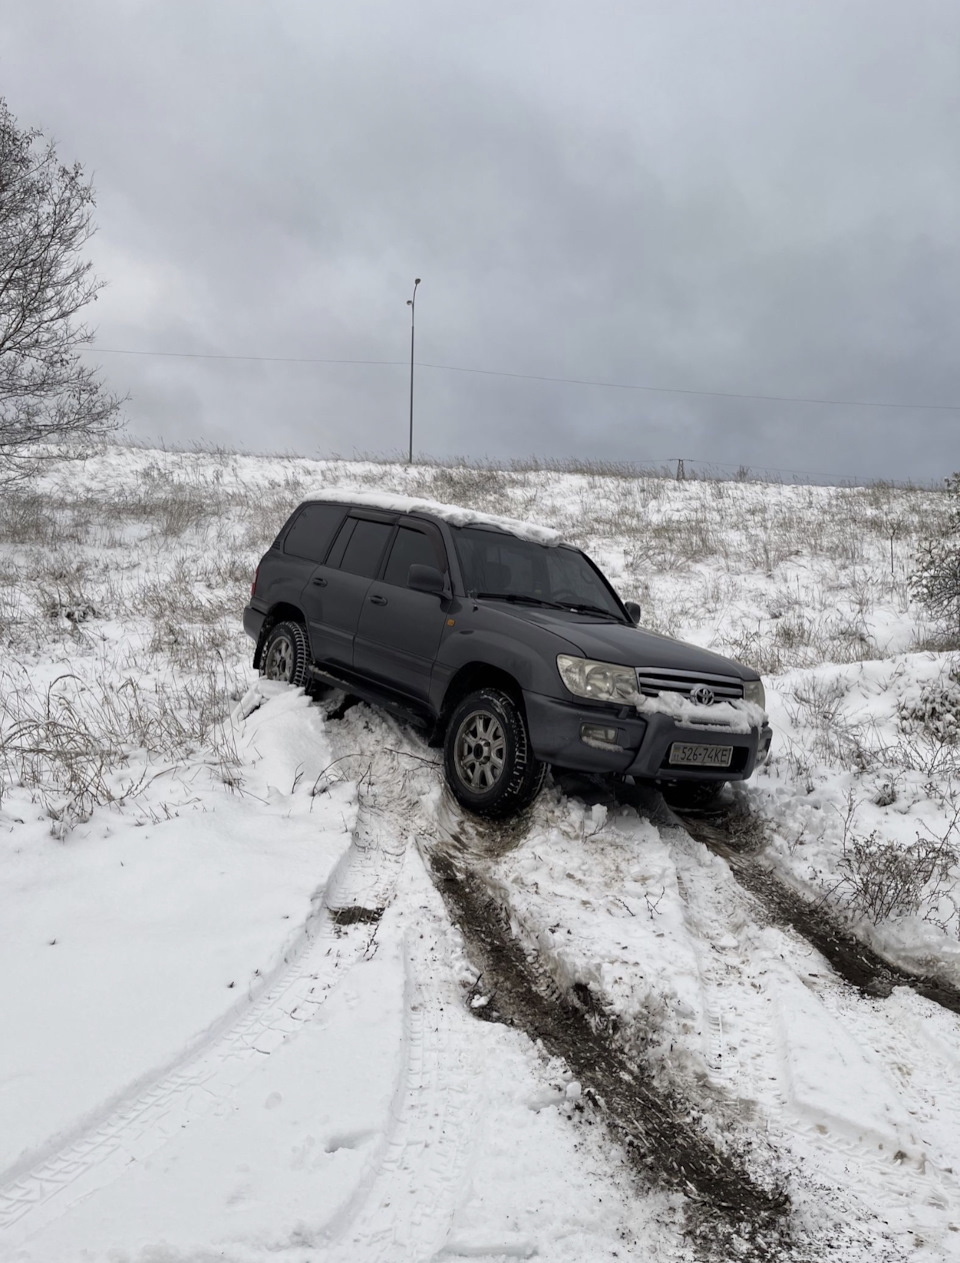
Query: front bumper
(642,742)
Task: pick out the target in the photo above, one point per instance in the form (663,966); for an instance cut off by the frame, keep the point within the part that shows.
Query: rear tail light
(253,586)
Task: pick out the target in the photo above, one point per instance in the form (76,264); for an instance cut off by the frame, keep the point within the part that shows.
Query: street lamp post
(412,304)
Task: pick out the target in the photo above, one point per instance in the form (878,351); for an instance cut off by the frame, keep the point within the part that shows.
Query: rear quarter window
(312,530)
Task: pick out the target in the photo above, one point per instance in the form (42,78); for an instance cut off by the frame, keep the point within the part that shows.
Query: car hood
(631,646)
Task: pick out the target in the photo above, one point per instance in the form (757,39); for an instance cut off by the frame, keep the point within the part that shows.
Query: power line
(257,359)
(713,394)
(564,381)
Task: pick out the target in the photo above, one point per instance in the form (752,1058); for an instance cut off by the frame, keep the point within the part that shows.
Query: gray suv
(508,646)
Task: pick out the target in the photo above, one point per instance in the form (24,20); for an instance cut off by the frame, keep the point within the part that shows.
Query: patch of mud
(354,916)
(738,838)
(334,703)
(729,1213)
(486,839)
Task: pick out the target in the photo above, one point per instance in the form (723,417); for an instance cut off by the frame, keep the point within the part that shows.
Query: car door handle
(320,582)
(378,600)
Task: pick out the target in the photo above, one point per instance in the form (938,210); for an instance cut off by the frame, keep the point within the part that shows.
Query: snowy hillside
(268,993)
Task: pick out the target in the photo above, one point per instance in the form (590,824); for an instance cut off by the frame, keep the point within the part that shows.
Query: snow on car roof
(456,515)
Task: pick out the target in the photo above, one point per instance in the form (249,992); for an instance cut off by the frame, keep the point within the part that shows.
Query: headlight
(753,692)
(600,681)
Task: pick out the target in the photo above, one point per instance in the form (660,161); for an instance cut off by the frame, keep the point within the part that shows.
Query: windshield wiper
(585,608)
(525,599)
(520,597)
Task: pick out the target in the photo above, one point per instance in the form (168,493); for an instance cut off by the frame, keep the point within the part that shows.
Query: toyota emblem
(703,695)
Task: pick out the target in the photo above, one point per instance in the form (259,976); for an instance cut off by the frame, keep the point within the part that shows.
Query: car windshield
(497,564)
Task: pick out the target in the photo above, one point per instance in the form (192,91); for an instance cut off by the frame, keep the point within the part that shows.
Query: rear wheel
(286,654)
(487,759)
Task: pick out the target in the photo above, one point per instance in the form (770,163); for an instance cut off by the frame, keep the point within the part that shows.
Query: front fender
(533,667)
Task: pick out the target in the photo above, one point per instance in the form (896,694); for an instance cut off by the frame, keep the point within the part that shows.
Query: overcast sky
(756,197)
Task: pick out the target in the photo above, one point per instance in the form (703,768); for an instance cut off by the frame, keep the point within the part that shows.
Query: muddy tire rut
(729,1212)
(739,839)
(733,1184)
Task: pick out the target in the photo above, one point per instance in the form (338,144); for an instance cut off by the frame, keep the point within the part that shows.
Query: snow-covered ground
(267,993)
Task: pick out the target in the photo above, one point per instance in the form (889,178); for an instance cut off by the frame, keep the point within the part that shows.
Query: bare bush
(191,648)
(936,712)
(479,488)
(766,550)
(818,705)
(262,510)
(77,746)
(936,579)
(754,648)
(882,880)
(181,511)
(929,727)
(26,518)
(68,604)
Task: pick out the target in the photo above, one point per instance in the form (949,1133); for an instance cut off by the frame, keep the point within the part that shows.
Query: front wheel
(487,759)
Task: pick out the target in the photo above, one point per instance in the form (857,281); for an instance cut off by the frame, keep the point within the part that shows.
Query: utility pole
(412,304)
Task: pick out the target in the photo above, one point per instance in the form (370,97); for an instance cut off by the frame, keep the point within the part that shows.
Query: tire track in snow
(740,1045)
(402,1210)
(727,1210)
(729,1213)
(720,1053)
(39,1188)
(734,838)
(920,1174)
(542,1009)
(862,1126)
(403,1207)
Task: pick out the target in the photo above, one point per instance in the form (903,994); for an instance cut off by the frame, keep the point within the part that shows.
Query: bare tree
(48,398)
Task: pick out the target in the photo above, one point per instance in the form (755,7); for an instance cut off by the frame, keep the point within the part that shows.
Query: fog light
(596,735)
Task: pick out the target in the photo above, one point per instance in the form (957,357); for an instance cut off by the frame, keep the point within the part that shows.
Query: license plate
(685,755)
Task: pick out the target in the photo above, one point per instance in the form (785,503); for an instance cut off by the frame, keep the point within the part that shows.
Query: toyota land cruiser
(507,645)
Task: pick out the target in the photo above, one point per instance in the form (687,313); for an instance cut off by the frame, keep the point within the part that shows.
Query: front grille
(652,681)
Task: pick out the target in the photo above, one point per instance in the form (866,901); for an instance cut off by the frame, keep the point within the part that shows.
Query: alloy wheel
(480,751)
(279,664)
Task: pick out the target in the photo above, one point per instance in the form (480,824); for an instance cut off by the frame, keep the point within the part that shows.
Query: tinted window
(495,562)
(499,564)
(341,542)
(311,533)
(409,548)
(363,552)
(581,581)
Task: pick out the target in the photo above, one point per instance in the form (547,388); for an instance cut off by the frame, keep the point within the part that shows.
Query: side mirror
(634,610)
(425,579)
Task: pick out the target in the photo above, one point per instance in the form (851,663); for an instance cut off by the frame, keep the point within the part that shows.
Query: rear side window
(410,548)
(312,531)
(365,548)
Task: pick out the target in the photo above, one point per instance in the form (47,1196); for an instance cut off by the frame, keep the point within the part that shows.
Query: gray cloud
(746,198)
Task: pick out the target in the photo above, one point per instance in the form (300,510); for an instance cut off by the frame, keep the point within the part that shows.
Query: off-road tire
(286,655)
(487,760)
